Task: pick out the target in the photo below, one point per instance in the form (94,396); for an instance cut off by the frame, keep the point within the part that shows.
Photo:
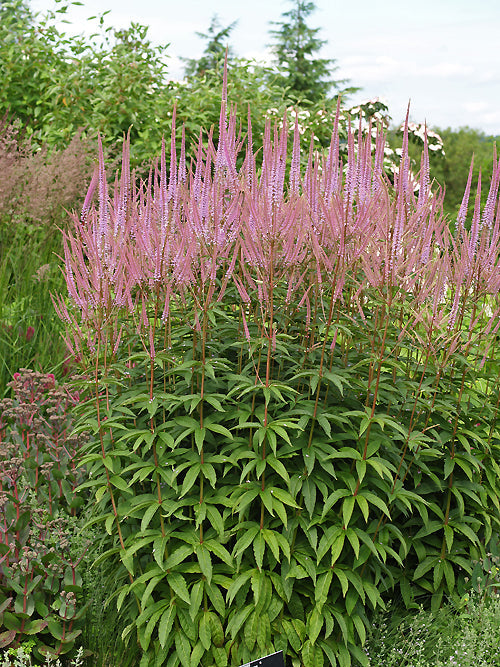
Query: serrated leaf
(337,547)
(197,654)
(309,493)
(347,508)
(343,626)
(196,599)
(284,497)
(183,648)
(236,584)
(218,428)
(205,633)
(278,466)
(375,500)
(424,567)
(245,540)
(363,506)
(216,519)
(314,624)
(205,561)
(308,654)
(250,631)
(178,585)
(199,437)
(190,478)
(322,588)
(271,539)
(219,550)
(449,534)
(149,514)
(238,619)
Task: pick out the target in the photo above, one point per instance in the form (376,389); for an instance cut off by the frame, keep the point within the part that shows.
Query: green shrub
(293,395)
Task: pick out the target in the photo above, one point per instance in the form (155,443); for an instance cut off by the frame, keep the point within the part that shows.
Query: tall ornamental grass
(293,392)
(36,188)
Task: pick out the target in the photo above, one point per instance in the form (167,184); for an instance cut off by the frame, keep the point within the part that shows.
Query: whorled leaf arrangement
(295,393)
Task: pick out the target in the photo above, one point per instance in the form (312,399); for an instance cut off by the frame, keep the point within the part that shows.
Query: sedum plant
(292,392)
(39,575)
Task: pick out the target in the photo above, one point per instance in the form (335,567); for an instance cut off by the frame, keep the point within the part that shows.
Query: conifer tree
(296,46)
(216,38)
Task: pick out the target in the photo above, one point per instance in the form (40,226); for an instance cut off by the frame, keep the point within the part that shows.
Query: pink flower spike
(334,341)
(462,213)
(90,193)
(245,325)
(295,164)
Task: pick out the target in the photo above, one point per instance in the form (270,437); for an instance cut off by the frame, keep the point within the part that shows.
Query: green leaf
(466,530)
(278,467)
(196,599)
(342,579)
(34,627)
(363,506)
(197,654)
(108,524)
(258,549)
(205,633)
(251,630)
(309,654)
(375,500)
(314,624)
(219,550)
(199,437)
(424,567)
(448,533)
(190,478)
(353,539)
(205,562)
(267,499)
(309,493)
(120,483)
(272,540)
(449,464)
(237,620)
(178,585)
(337,547)
(347,508)
(218,428)
(361,470)
(149,514)
(236,584)
(334,498)
(245,540)
(322,588)
(339,617)
(183,648)
(216,599)
(216,519)
(329,537)
(284,497)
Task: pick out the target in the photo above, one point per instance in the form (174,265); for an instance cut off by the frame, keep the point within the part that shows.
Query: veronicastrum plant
(293,392)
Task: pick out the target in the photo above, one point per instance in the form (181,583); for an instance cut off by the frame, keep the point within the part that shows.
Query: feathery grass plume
(289,362)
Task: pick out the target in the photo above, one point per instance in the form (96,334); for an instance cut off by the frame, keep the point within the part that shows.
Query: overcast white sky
(444,55)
